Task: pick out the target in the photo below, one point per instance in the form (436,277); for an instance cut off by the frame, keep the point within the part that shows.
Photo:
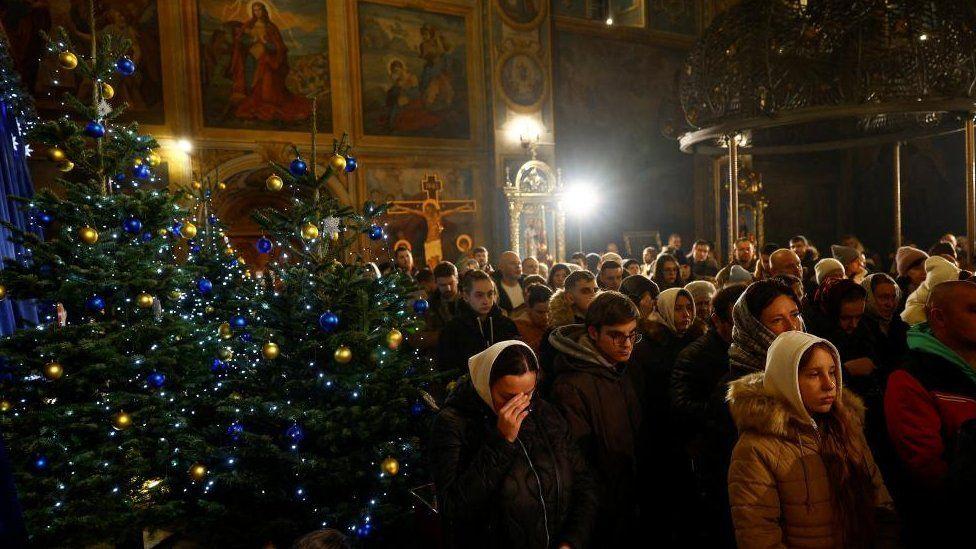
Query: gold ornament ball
(66,166)
(338,163)
(68,60)
(88,235)
(240,259)
(394,339)
(144,300)
(390,466)
(153,159)
(53,371)
(5,405)
(209,309)
(225,353)
(310,231)
(198,472)
(176,295)
(274,183)
(270,350)
(122,421)
(196,185)
(55,154)
(221,186)
(137,162)
(108,91)
(162,232)
(224,330)
(229,251)
(189,230)
(3,292)
(235,396)
(343,354)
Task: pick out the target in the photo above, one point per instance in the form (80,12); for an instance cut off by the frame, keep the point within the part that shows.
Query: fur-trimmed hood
(561,312)
(755,410)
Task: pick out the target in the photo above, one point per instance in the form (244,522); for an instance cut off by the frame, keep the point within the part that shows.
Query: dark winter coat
(467,335)
(698,371)
(599,402)
(489,489)
(561,313)
(890,348)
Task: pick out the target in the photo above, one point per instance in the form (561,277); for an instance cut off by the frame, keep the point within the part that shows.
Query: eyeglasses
(621,339)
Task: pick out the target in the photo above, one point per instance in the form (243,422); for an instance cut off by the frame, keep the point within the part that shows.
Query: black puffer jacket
(697,373)
(603,411)
(466,335)
(487,488)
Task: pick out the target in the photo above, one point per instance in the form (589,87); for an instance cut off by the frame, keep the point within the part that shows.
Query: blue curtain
(14,181)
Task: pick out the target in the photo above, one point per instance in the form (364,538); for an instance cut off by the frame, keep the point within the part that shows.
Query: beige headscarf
(665,305)
(480,365)
(783,365)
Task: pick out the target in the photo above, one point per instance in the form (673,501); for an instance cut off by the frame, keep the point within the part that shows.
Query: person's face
(509,387)
(684,313)
(582,295)
(482,258)
(787,263)
(856,267)
(633,269)
(616,343)
(703,308)
(447,286)
(917,274)
(481,297)
(611,278)
(799,248)
(404,260)
(674,242)
(958,318)
(782,315)
(743,252)
(850,315)
(700,252)
(559,279)
(685,271)
(817,379)
(670,272)
(511,267)
(648,257)
(530,266)
(539,314)
(885,299)
(647,304)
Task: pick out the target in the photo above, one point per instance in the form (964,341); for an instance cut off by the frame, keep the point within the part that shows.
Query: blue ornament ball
(146,237)
(95,304)
(95,129)
(420,306)
(245,337)
(177,228)
(205,286)
(40,462)
(125,66)
(416,409)
(119,177)
(212,218)
(298,167)
(295,433)
(238,321)
(195,248)
(45,218)
(132,225)
(156,379)
(375,232)
(329,321)
(263,245)
(351,164)
(235,430)
(142,171)
(218,365)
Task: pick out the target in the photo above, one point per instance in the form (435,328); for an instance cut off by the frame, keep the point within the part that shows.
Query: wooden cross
(433,210)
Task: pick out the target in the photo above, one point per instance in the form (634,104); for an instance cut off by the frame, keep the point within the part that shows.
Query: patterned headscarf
(750,341)
(872,305)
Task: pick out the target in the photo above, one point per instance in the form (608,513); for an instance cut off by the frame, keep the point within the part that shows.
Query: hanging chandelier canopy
(789,76)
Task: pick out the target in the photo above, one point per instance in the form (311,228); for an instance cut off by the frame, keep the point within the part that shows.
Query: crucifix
(433,210)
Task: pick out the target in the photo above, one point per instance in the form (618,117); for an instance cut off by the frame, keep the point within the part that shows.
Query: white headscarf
(480,365)
(783,365)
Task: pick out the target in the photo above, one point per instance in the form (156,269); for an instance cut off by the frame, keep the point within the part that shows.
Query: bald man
(508,277)
(927,403)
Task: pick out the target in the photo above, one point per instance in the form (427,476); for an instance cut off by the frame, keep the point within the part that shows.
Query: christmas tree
(320,429)
(93,395)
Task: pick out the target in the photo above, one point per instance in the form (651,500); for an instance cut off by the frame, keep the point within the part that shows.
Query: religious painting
(522,80)
(414,74)
(430,233)
(262,62)
(522,14)
(673,16)
(136,20)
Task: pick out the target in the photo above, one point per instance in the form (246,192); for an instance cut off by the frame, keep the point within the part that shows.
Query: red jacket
(925,404)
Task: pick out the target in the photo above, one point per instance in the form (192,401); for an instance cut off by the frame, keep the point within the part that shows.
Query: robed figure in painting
(260,51)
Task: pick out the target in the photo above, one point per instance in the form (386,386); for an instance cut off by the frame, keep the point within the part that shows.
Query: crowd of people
(777,400)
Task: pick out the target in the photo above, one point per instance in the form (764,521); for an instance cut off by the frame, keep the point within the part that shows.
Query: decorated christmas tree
(321,428)
(93,396)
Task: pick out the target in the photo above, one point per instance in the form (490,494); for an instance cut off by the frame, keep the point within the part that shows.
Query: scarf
(750,341)
(665,306)
(872,305)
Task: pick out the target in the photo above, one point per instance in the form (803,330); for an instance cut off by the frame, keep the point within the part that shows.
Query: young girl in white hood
(507,472)
(802,474)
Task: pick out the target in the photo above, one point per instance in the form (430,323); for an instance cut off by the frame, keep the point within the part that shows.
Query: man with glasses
(597,398)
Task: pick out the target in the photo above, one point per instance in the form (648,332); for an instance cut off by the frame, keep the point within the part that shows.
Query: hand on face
(512,414)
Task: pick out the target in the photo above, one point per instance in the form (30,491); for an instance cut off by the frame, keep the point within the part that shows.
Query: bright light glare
(580,199)
(609,21)
(184,145)
(525,128)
